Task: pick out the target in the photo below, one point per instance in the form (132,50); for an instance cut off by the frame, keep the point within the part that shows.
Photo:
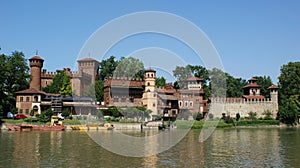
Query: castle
(127,92)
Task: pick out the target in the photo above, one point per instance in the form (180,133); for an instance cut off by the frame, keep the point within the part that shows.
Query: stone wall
(239,105)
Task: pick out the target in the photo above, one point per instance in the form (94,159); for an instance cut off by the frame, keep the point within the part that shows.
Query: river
(235,147)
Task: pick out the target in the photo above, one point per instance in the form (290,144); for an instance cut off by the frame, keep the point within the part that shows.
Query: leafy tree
(264,82)
(289,91)
(161,82)
(45,116)
(130,67)
(14,76)
(217,82)
(61,85)
(66,88)
(234,86)
(95,91)
(107,67)
(252,115)
(200,72)
(181,74)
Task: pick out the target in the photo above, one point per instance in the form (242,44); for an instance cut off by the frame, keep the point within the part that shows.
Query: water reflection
(225,148)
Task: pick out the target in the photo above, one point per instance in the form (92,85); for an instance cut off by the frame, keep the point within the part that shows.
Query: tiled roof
(190,91)
(124,83)
(254,97)
(150,70)
(31,91)
(36,57)
(251,85)
(273,87)
(252,79)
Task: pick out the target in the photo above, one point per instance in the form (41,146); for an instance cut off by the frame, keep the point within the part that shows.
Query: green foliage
(234,86)
(61,85)
(129,67)
(95,91)
(107,67)
(181,74)
(14,76)
(30,120)
(267,115)
(252,115)
(289,92)
(45,116)
(65,113)
(237,116)
(198,116)
(217,82)
(31,113)
(258,122)
(160,82)
(264,82)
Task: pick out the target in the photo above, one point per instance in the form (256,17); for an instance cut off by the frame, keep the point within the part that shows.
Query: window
(148,83)
(191,104)
(153,104)
(21,99)
(27,99)
(21,111)
(186,103)
(116,99)
(180,103)
(123,99)
(27,111)
(46,82)
(35,99)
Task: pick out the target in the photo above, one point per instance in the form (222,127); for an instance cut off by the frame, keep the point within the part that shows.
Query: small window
(123,99)
(153,104)
(27,111)
(21,111)
(180,103)
(46,82)
(27,99)
(186,103)
(191,104)
(148,83)
(35,99)
(116,99)
(21,99)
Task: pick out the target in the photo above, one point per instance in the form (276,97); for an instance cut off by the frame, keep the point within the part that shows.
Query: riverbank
(84,125)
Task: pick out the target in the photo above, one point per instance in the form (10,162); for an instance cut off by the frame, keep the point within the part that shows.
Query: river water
(236,147)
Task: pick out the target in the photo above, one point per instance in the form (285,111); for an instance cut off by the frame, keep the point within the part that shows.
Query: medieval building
(37,100)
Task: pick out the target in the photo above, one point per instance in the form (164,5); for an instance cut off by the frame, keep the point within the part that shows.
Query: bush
(31,120)
(252,115)
(268,115)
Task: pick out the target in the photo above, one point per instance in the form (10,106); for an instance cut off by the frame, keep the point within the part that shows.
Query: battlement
(238,100)
(68,71)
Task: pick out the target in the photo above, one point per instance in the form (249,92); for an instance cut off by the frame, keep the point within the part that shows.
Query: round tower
(36,64)
(150,80)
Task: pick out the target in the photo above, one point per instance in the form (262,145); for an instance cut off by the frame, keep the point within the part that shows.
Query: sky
(252,38)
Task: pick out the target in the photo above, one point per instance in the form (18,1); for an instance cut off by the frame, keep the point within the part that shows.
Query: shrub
(252,115)
(31,120)
(268,115)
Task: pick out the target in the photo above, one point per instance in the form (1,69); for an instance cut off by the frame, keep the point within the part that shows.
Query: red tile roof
(31,91)
(36,57)
(252,79)
(254,97)
(273,87)
(251,85)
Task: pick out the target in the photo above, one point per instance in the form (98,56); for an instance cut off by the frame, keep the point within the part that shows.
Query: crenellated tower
(36,64)
(150,80)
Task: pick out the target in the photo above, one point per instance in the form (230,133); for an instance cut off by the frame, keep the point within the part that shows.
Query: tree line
(14,76)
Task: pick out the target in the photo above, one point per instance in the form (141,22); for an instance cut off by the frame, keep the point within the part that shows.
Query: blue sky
(252,37)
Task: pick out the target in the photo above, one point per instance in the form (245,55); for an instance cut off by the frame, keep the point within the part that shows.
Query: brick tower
(36,64)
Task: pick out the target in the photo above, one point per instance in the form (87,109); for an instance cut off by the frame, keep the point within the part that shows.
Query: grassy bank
(222,124)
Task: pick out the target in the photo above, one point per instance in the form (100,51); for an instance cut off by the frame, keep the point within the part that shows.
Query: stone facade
(251,101)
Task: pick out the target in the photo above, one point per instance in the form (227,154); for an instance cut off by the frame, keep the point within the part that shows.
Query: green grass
(222,124)
(71,122)
(12,121)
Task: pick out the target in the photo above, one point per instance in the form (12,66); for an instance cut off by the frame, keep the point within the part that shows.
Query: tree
(217,82)
(61,85)
(95,91)
(234,86)
(107,67)
(66,88)
(289,91)
(160,82)
(181,74)
(14,76)
(130,67)
(45,116)
(264,82)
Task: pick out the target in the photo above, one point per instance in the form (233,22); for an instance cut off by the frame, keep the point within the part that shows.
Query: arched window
(148,83)
(35,99)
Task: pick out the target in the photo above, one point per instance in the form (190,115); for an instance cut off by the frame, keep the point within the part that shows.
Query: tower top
(36,57)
